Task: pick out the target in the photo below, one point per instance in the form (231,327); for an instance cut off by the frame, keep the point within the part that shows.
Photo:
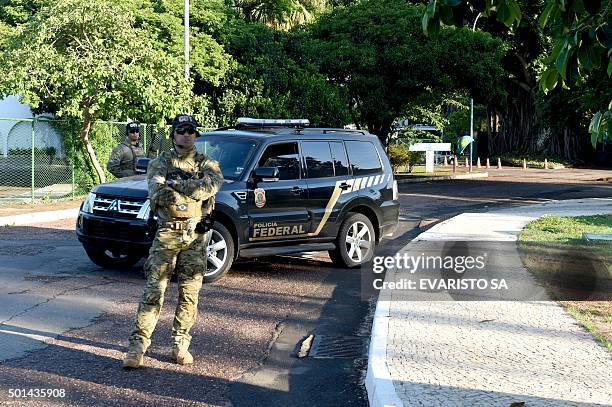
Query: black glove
(204,225)
(166,197)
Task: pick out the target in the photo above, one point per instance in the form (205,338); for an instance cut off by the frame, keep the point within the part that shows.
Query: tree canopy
(376,49)
(335,62)
(270,78)
(580,36)
(71,58)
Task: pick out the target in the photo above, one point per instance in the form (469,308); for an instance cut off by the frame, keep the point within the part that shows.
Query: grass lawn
(16,171)
(577,274)
(534,161)
(439,170)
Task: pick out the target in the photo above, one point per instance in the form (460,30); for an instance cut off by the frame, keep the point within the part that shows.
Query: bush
(401,156)
(534,161)
(103,137)
(38,151)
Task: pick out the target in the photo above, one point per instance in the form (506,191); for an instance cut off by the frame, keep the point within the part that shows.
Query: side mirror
(142,164)
(266,174)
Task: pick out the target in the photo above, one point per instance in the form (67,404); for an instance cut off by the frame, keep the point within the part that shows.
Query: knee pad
(152,297)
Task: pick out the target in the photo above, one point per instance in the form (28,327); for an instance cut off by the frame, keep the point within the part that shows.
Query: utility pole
(186,37)
(471,129)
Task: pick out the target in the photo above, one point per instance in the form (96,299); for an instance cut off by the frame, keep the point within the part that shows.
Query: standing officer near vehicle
(182,185)
(122,162)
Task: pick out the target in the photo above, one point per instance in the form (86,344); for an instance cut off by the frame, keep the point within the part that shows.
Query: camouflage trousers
(172,250)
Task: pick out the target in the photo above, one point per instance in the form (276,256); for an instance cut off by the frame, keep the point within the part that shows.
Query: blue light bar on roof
(273,122)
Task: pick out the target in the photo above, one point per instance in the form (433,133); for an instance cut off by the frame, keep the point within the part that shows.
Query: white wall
(16,134)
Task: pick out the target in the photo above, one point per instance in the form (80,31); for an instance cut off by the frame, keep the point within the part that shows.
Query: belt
(178,224)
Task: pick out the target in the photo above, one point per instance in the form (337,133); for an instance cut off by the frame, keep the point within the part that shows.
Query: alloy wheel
(358,241)
(216,252)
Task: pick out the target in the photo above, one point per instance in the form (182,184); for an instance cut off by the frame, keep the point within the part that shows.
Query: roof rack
(363,132)
(250,122)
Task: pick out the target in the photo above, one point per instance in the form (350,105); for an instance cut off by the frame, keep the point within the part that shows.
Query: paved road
(250,325)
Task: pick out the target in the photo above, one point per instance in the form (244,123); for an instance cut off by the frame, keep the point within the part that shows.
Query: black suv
(288,188)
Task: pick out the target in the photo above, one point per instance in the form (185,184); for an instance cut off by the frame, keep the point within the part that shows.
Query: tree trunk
(515,133)
(570,145)
(517,116)
(495,143)
(382,130)
(87,122)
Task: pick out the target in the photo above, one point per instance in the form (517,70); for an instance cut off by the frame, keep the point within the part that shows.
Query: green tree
(88,60)
(377,51)
(580,40)
(268,77)
(567,113)
(280,14)
(163,22)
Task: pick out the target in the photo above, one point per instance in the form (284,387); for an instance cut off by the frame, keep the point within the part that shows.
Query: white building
(18,134)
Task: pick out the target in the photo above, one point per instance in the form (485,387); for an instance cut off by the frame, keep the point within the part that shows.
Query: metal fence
(39,157)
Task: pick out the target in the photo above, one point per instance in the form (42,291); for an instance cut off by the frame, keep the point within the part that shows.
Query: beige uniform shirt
(204,185)
(122,162)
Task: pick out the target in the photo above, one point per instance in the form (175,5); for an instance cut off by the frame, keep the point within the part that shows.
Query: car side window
(285,157)
(364,157)
(318,157)
(339,156)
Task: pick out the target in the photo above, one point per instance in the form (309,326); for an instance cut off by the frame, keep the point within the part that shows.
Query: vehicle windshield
(232,153)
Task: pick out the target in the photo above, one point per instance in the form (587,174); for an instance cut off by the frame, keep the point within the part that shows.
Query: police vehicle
(288,188)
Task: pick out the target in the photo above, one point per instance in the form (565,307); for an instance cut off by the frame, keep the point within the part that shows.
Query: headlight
(88,203)
(143,213)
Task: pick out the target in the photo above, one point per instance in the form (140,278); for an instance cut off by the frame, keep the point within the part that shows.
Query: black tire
(220,260)
(111,259)
(344,255)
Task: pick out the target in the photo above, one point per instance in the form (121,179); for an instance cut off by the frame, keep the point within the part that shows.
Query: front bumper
(390,219)
(387,231)
(111,233)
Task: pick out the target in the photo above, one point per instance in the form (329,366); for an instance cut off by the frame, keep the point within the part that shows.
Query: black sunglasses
(134,131)
(184,130)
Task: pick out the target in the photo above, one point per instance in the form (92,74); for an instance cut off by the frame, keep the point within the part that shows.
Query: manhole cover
(324,346)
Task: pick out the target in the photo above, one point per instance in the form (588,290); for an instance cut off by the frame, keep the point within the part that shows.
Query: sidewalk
(24,213)
(566,175)
(486,353)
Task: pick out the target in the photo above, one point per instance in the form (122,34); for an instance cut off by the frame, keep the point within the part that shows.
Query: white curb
(379,385)
(38,217)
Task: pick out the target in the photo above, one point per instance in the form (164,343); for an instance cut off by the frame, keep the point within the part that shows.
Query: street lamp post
(471,129)
(186,37)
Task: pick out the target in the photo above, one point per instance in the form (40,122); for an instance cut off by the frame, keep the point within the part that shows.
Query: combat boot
(181,356)
(133,359)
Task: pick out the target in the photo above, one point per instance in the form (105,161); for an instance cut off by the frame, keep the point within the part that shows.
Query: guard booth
(430,149)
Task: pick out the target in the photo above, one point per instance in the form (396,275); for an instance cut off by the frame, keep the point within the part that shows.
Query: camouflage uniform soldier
(179,205)
(122,162)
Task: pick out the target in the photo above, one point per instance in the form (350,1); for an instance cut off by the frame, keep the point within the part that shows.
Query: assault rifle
(178,174)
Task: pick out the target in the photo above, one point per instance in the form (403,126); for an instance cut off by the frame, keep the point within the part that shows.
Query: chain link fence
(43,158)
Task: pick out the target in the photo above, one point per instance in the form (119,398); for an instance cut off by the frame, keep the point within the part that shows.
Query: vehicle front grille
(118,207)
(115,230)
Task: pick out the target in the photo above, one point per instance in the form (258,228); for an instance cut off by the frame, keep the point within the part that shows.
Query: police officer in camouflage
(122,162)
(179,201)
